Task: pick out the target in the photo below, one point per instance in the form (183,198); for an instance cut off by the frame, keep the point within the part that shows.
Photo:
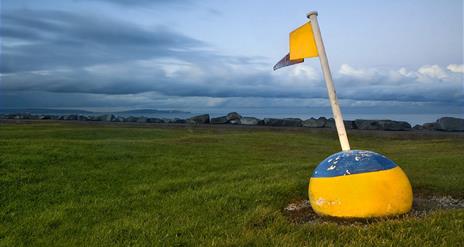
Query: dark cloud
(47,39)
(52,56)
(144,2)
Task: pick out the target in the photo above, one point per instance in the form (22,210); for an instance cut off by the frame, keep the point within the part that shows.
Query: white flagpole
(328,80)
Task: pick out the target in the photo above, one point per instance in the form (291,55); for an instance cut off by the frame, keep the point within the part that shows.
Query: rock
(382,125)
(119,119)
(106,117)
(395,125)
(330,123)
(219,120)
(23,116)
(429,126)
(82,118)
(44,117)
(69,117)
(249,121)
(175,120)
(315,123)
(349,124)
(235,121)
(9,116)
(287,122)
(179,121)
(155,120)
(450,124)
(367,124)
(142,120)
(92,118)
(233,116)
(131,119)
(418,127)
(200,119)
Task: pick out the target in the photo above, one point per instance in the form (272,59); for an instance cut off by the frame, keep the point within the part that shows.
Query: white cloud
(362,74)
(456,68)
(432,71)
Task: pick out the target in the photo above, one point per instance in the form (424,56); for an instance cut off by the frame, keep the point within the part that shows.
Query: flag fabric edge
(285,61)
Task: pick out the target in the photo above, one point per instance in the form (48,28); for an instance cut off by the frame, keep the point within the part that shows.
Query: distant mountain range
(75,111)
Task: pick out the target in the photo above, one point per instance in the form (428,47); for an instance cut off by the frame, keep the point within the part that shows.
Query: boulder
(19,116)
(142,120)
(155,120)
(429,126)
(131,119)
(367,124)
(330,123)
(395,125)
(106,117)
(287,122)
(235,121)
(92,118)
(315,123)
(219,120)
(119,119)
(382,125)
(175,120)
(233,116)
(349,124)
(450,124)
(249,121)
(82,118)
(70,117)
(200,119)
(179,120)
(44,117)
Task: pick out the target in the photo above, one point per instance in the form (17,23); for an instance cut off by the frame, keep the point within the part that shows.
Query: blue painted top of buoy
(352,162)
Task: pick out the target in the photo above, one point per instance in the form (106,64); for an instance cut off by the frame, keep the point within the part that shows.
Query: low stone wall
(442,124)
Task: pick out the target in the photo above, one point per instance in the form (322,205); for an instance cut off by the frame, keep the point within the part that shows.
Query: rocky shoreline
(443,124)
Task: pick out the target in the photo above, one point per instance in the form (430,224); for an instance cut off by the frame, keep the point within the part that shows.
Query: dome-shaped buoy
(359,184)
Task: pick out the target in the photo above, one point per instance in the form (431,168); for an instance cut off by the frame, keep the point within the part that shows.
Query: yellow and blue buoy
(359,184)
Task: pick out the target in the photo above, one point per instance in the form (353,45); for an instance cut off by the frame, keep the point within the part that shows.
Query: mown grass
(67,184)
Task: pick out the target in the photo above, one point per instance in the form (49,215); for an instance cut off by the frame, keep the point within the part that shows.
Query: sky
(385,56)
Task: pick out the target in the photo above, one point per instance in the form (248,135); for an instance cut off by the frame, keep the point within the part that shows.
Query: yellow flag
(302,43)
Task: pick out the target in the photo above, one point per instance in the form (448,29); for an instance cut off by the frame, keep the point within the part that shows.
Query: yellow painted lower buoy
(359,184)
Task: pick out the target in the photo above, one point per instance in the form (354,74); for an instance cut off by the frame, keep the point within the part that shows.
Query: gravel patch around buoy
(300,211)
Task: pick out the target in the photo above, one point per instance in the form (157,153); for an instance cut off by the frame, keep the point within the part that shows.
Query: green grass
(65,184)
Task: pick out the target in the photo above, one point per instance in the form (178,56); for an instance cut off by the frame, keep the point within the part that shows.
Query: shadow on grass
(300,212)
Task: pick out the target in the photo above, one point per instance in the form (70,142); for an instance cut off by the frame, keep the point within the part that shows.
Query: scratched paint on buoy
(352,162)
(359,184)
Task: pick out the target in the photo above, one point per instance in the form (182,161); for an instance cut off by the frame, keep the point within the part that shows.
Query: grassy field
(65,184)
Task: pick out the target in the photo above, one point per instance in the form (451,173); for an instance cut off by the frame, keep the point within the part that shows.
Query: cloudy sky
(391,55)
